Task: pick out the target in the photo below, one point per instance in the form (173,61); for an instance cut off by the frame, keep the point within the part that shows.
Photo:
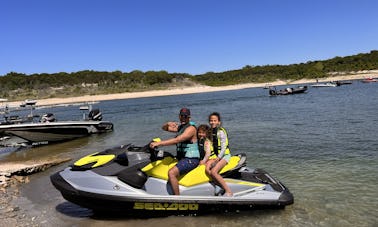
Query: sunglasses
(183,115)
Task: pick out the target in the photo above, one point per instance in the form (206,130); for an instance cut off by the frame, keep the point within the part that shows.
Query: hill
(310,70)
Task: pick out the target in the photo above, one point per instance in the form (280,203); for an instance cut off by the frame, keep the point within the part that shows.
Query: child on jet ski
(204,143)
(187,147)
(221,150)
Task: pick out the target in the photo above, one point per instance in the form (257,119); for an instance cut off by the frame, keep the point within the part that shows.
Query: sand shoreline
(189,90)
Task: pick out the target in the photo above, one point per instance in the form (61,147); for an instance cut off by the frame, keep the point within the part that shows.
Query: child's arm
(207,147)
(222,137)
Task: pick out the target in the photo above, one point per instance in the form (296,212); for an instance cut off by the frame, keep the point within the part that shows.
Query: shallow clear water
(323,145)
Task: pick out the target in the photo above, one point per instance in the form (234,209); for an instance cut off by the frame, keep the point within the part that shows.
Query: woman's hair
(206,129)
(215,114)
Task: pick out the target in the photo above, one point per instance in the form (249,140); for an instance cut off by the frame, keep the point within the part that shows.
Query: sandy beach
(193,89)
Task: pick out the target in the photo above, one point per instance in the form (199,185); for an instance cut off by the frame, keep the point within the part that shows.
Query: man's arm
(186,135)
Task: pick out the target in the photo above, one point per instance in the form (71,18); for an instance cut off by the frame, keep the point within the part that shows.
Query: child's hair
(215,114)
(206,129)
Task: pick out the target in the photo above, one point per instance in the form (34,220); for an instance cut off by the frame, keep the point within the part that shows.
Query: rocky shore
(11,176)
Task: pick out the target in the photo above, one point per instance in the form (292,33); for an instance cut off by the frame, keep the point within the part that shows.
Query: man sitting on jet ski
(187,147)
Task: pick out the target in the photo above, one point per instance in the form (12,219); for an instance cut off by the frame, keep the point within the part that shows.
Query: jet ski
(133,180)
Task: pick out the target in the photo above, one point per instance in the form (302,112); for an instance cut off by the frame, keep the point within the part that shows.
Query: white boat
(28,102)
(48,130)
(328,84)
(38,133)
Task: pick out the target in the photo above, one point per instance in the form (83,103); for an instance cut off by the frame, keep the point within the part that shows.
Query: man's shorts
(185,165)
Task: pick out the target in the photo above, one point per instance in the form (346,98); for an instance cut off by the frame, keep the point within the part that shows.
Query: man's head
(184,115)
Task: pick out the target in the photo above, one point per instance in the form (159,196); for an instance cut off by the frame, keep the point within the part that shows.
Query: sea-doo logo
(166,206)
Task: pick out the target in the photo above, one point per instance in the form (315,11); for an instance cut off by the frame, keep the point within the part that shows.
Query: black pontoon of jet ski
(133,180)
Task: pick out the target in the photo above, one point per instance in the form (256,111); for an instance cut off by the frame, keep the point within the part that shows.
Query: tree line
(18,86)
(309,70)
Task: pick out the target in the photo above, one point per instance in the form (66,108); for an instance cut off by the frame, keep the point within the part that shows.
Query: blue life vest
(186,149)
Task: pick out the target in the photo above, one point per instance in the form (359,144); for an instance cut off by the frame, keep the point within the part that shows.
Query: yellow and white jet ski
(133,180)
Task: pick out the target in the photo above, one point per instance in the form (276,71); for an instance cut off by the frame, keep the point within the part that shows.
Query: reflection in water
(73,210)
(57,150)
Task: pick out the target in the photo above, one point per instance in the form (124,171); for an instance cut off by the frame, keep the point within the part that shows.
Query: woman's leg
(218,178)
(209,164)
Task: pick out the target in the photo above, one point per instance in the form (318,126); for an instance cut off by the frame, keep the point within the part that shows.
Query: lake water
(322,145)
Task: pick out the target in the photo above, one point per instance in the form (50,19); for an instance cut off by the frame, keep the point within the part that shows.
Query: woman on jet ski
(221,150)
(187,147)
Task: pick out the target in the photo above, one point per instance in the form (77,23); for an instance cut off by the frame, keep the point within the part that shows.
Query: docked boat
(287,91)
(328,84)
(28,102)
(133,180)
(268,86)
(15,119)
(339,83)
(369,80)
(48,130)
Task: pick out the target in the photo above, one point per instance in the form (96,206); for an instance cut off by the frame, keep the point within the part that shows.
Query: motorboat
(28,102)
(339,83)
(267,86)
(15,119)
(288,91)
(369,80)
(327,84)
(38,133)
(133,180)
(48,130)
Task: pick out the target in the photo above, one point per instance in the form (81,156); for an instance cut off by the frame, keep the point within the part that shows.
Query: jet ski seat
(159,169)
(133,176)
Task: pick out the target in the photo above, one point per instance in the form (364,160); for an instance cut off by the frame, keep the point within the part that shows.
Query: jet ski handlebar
(155,153)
